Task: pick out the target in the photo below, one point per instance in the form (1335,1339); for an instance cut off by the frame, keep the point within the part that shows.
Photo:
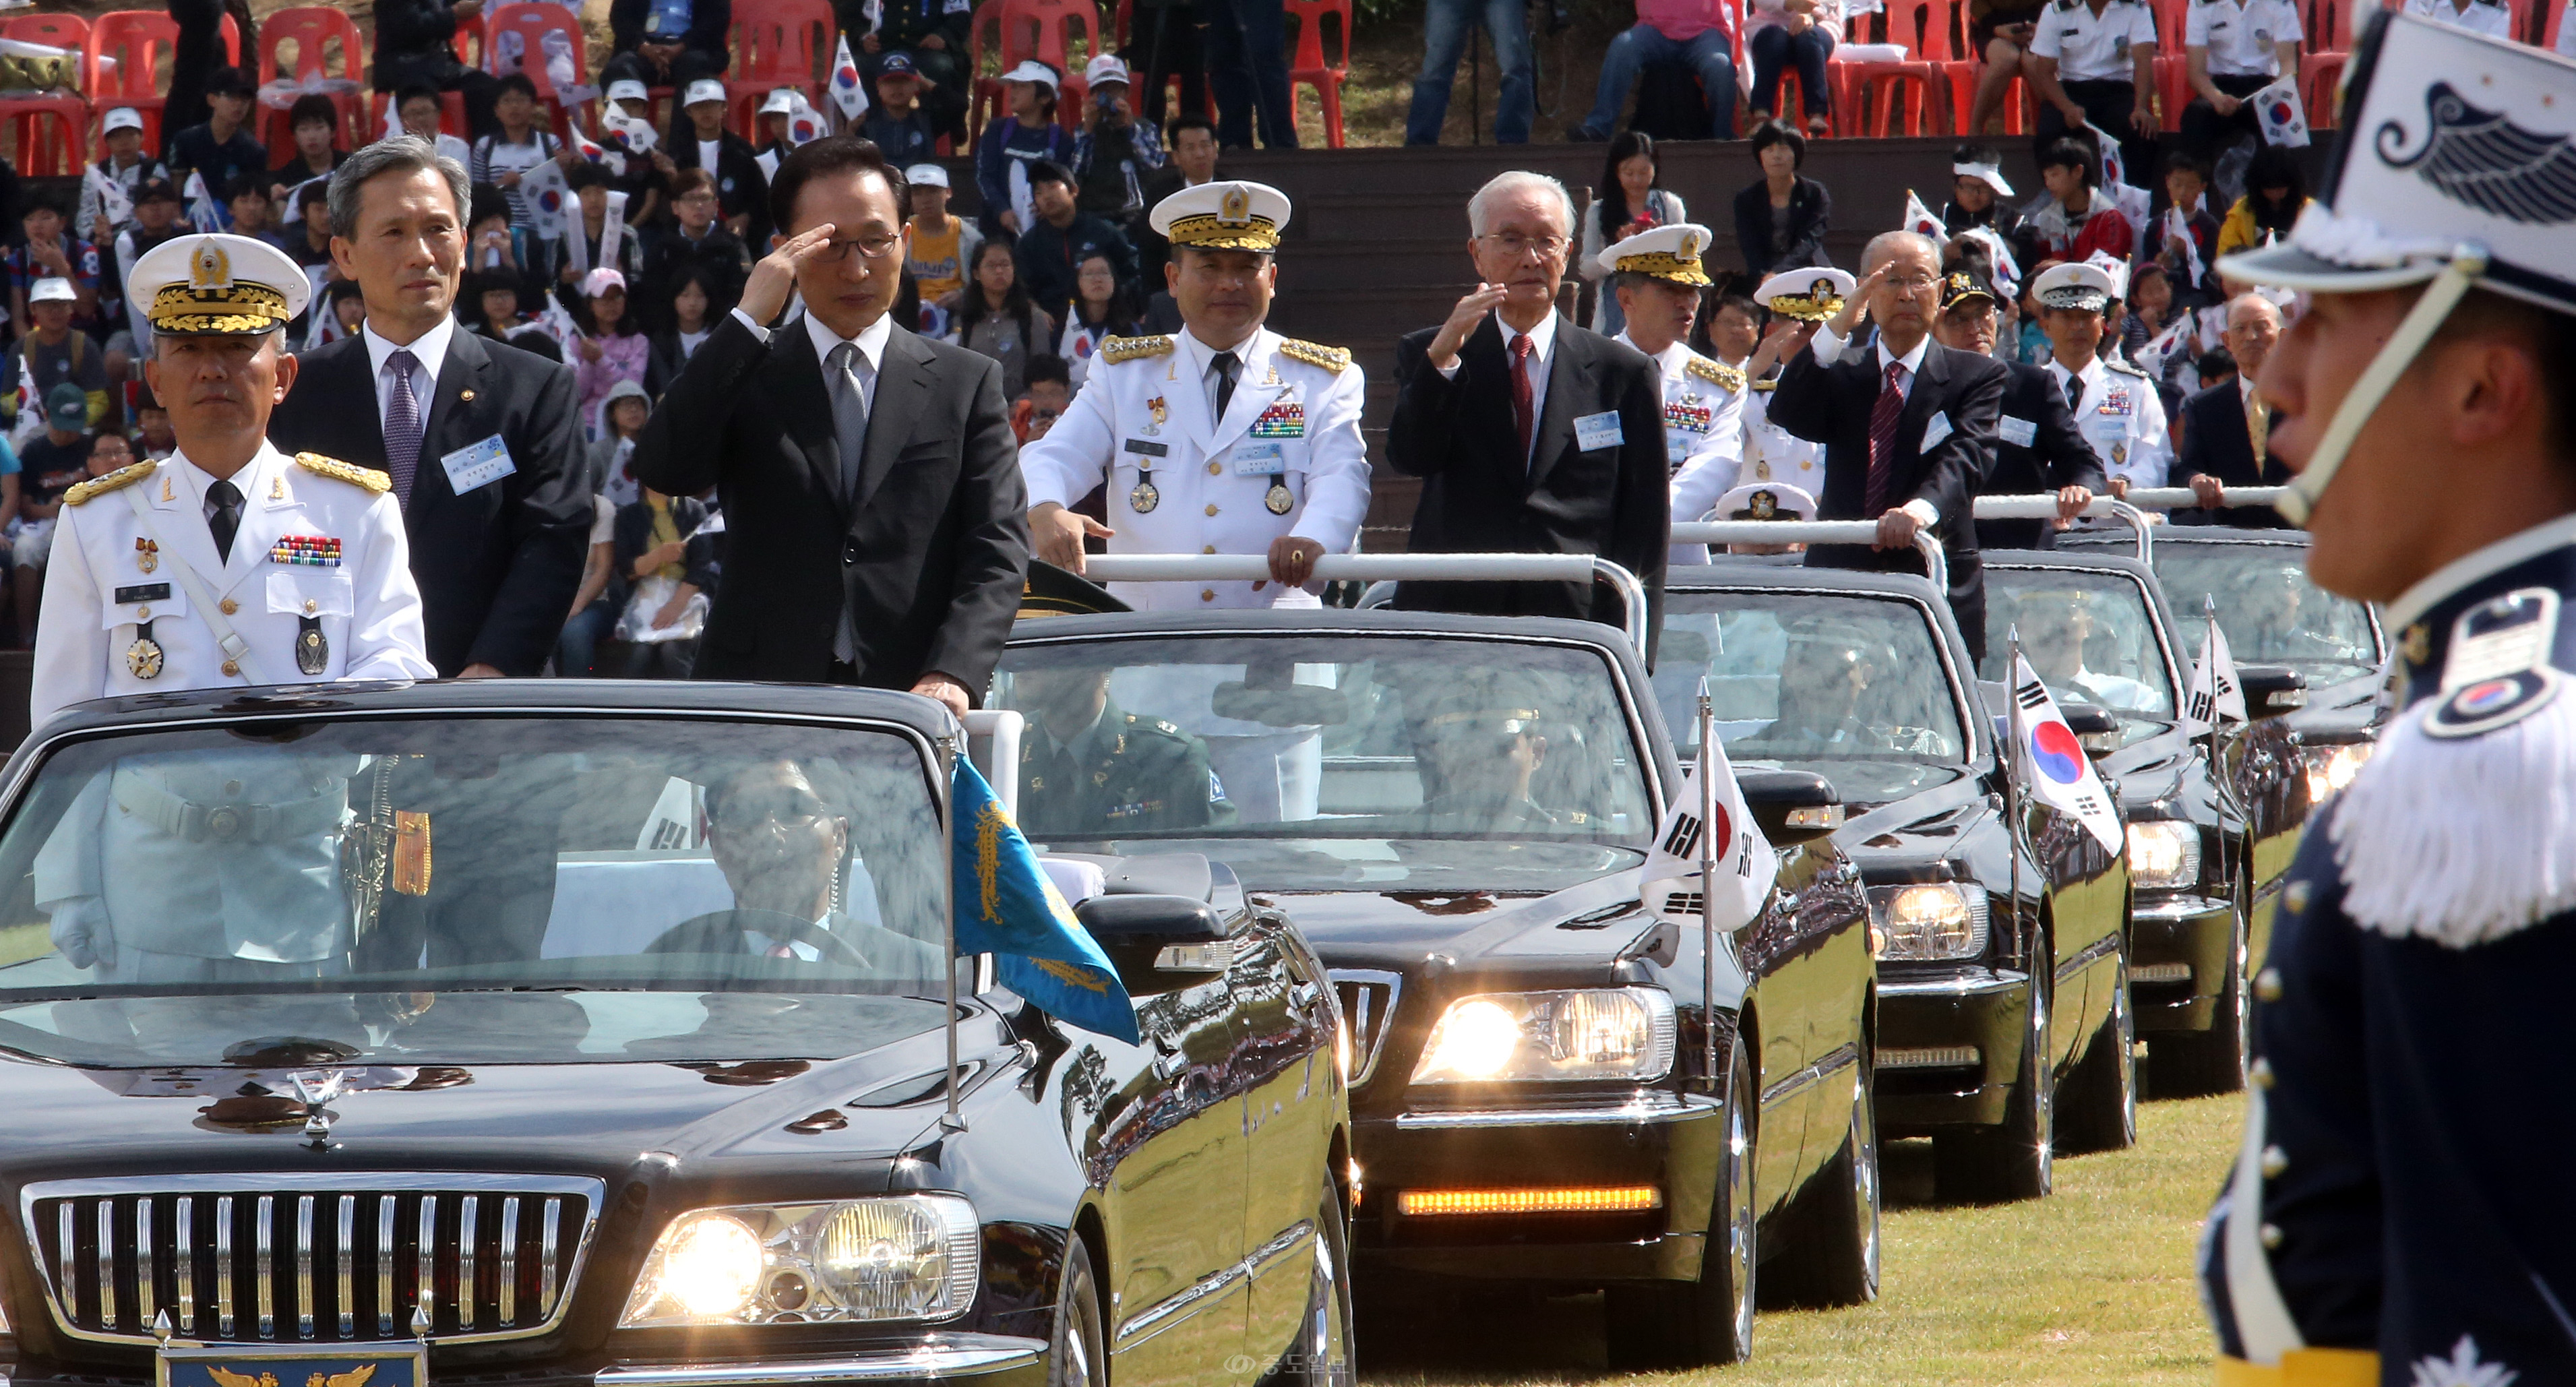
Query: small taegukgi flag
(2216,697)
(2050,764)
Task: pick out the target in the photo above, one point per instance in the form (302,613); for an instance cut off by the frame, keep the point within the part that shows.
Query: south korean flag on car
(1709,823)
(2216,698)
(2049,764)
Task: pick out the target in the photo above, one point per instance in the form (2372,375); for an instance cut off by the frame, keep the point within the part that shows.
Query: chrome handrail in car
(1935,563)
(1405,568)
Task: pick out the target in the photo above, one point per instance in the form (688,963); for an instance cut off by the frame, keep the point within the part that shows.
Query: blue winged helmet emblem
(2490,163)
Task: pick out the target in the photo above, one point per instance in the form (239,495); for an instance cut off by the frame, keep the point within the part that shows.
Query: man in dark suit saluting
(482,440)
(1531,435)
(1908,424)
(876,526)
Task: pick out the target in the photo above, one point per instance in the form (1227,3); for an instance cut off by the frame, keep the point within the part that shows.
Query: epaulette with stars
(365,478)
(1332,359)
(99,486)
(2127,369)
(1728,378)
(1116,349)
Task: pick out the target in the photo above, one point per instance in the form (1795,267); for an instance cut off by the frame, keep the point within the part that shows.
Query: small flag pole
(1708,885)
(2217,766)
(2012,780)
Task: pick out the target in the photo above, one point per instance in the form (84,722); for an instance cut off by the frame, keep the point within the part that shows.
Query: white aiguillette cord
(199,595)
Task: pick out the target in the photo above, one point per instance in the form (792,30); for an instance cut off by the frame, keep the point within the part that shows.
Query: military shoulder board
(2126,369)
(1765,387)
(100,486)
(365,478)
(1728,378)
(1332,359)
(1117,349)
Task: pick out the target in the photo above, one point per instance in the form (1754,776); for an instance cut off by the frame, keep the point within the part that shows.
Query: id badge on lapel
(478,464)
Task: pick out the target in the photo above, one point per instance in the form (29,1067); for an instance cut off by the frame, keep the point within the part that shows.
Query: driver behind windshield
(2055,624)
(1826,677)
(1478,752)
(1089,769)
(2269,605)
(202,867)
(785,853)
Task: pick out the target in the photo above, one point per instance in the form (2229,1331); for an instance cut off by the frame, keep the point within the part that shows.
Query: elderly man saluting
(1531,435)
(227,562)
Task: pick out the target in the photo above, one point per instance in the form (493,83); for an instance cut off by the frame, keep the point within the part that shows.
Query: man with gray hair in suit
(1532,435)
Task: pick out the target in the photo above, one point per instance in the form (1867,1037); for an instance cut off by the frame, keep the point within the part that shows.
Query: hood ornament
(317,1087)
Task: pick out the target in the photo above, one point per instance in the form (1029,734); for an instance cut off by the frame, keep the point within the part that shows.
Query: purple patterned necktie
(402,425)
(1883,417)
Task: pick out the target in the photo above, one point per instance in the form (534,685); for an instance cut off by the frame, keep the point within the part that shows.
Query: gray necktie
(849,415)
(402,425)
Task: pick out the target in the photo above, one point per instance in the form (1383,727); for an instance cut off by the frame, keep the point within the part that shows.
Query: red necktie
(1882,442)
(1524,401)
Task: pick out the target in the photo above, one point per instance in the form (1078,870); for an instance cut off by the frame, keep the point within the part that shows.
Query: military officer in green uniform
(1090,770)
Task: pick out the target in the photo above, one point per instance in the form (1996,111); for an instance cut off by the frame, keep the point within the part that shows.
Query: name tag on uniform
(143,592)
(1934,432)
(1151,450)
(478,464)
(2018,432)
(1259,459)
(1598,431)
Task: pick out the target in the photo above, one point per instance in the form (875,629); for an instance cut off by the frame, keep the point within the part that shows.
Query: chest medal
(1278,499)
(147,554)
(143,658)
(1144,498)
(312,651)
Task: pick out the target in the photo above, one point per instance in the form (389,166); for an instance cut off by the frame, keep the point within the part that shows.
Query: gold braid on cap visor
(1806,309)
(236,308)
(1208,231)
(1666,265)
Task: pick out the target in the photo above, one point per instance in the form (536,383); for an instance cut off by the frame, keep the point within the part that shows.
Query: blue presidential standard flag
(1006,907)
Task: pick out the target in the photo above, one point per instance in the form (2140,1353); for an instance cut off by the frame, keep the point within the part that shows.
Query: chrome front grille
(281,1258)
(1368,999)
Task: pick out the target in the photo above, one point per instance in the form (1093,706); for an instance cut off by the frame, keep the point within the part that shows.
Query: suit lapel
(1571,373)
(1251,393)
(178,515)
(1483,359)
(795,379)
(903,390)
(454,410)
(1921,403)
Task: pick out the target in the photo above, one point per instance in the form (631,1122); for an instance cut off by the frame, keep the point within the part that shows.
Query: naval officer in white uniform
(2115,404)
(1224,438)
(1657,276)
(225,564)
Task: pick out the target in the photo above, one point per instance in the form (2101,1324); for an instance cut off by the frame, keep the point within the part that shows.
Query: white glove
(80,931)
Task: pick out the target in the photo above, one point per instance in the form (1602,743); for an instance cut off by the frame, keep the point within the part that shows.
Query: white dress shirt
(2239,35)
(429,350)
(871,344)
(2093,47)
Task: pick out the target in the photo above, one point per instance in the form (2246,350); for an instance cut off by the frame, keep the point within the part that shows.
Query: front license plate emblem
(261,1365)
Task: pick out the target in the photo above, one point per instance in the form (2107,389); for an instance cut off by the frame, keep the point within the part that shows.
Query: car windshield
(2271,613)
(1813,680)
(675,889)
(1312,736)
(2090,636)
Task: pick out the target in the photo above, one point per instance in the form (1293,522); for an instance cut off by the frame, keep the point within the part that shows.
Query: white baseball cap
(122,118)
(1031,70)
(926,176)
(703,89)
(781,102)
(1992,175)
(52,289)
(1104,68)
(628,90)
(601,280)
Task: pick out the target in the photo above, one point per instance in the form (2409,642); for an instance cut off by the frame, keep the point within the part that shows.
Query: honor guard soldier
(1657,276)
(1772,453)
(2401,1212)
(1223,438)
(228,562)
(2115,404)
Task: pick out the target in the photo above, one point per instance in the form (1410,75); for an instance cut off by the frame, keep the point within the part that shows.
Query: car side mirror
(2271,690)
(2094,728)
(1160,943)
(1792,807)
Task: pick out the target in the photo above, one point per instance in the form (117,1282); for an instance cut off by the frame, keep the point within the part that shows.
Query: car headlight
(1929,920)
(905,1257)
(2164,855)
(2330,768)
(1626,1033)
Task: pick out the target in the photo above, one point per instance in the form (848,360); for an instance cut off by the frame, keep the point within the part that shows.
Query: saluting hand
(775,276)
(1470,311)
(1843,322)
(1057,534)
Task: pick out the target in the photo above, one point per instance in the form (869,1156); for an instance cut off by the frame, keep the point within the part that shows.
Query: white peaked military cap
(2453,140)
(1766,501)
(2075,284)
(1661,252)
(1811,294)
(1223,216)
(218,284)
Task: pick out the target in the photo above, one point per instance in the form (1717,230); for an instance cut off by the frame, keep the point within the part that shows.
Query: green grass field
(2090,1286)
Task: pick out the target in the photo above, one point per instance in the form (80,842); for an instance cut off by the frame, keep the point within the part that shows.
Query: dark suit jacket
(2216,441)
(1831,405)
(1810,209)
(931,558)
(497,566)
(2057,456)
(1477,497)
